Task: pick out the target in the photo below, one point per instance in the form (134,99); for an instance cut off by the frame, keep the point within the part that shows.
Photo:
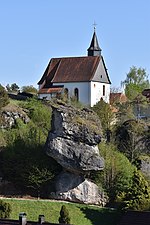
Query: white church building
(85,78)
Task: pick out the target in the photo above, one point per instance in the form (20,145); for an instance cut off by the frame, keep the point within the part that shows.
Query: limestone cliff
(72,142)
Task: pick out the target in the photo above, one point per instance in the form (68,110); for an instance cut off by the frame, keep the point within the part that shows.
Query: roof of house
(70,69)
(135,218)
(117,97)
(50,90)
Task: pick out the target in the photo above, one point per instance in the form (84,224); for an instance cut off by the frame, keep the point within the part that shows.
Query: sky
(34,31)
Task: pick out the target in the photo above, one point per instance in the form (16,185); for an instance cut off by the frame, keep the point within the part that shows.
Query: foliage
(37,177)
(105,114)
(5,209)
(2,139)
(4,100)
(125,111)
(29,89)
(24,147)
(138,196)
(12,88)
(39,113)
(34,168)
(118,171)
(40,123)
(135,82)
(127,138)
(64,215)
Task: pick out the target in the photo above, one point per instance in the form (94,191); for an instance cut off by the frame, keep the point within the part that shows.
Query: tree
(124,112)
(5,209)
(64,215)
(12,88)
(118,171)
(105,114)
(37,177)
(8,88)
(40,115)
(135,82)
(29,89)
(138,196)
(4,99)
(127,138)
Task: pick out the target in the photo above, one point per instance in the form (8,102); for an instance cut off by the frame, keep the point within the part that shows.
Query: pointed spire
(94,49)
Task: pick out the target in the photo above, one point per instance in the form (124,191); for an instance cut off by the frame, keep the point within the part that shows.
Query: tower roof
(94,48)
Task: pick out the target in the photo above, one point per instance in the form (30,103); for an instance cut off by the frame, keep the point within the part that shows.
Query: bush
(64,215)
(5,209)
(4,100)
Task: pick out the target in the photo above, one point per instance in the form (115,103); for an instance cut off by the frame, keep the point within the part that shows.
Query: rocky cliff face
(72,142)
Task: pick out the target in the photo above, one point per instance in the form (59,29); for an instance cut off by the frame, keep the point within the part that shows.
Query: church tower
(94,49)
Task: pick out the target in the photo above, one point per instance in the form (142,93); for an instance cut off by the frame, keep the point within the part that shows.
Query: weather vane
(94,25)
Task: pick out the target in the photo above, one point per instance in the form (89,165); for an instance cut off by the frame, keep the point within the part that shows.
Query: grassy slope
(80,214)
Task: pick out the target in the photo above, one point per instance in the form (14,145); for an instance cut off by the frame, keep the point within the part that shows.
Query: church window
(101,76)
(94,85)
(76,93)
(103,90)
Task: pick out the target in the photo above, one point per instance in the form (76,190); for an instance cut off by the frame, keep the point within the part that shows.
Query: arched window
(66,92)
(76,94)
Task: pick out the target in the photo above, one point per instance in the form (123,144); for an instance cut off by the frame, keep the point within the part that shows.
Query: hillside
(26,169)
(80,214)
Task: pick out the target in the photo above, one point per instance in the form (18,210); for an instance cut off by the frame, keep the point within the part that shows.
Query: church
(84,78)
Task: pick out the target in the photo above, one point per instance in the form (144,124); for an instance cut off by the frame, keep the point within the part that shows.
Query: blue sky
(33,31)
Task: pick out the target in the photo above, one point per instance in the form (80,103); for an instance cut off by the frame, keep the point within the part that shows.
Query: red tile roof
(70,69)
(50,90)
(117,97)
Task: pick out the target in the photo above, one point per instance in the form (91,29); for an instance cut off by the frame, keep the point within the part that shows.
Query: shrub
(64,215)
(4,100)
(5,209)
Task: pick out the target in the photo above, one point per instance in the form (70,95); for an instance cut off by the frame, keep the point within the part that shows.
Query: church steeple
(94,49)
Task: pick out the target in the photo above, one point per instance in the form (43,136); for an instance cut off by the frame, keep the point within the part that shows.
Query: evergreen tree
(64,215)
(138,196)
(5,209)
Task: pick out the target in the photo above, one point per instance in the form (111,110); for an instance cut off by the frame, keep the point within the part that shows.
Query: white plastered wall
(97,92)
(84,90)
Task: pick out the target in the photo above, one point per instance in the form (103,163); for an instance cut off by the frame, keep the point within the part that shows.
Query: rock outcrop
(10,114)
(72,142)
(145,166)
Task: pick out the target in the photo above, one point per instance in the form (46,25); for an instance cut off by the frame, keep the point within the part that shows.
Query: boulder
(72,187)
(73,139)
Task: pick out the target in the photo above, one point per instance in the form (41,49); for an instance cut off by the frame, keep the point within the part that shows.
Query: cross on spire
(94,49)
(94,25)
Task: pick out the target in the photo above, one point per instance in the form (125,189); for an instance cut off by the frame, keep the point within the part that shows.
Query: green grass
(80,214)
